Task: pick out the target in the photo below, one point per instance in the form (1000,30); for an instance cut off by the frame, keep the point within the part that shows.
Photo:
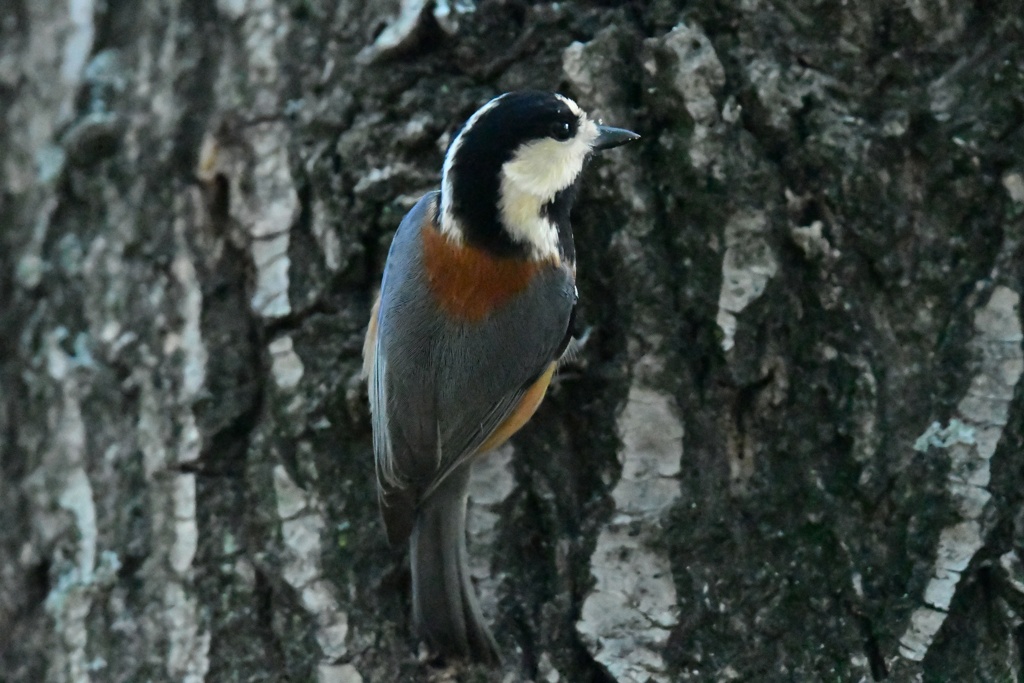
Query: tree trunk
(791,448)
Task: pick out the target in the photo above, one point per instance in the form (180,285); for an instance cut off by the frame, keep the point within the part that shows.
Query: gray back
(443,385)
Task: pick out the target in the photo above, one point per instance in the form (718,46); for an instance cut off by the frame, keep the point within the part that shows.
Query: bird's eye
(561,130)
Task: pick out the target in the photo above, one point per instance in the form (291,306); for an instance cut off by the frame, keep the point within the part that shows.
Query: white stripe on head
(573,107)
(449,225)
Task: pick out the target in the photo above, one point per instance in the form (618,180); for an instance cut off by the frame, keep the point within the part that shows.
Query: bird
(475,308)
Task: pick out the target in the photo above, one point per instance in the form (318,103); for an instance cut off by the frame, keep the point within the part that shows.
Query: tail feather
(445,609)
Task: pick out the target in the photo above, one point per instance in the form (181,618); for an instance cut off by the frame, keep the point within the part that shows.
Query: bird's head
(510,174)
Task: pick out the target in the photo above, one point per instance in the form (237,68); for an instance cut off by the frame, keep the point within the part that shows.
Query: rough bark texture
(792,447)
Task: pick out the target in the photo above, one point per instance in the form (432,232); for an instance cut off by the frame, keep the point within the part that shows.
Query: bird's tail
(445,610)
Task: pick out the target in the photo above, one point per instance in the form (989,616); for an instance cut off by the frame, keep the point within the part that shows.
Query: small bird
(475,309)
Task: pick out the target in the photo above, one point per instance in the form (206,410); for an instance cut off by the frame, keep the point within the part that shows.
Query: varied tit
(475,310)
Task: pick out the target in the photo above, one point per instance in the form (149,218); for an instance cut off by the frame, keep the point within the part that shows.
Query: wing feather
(440,387)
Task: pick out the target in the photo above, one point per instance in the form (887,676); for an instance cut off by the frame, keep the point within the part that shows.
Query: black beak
(608,137)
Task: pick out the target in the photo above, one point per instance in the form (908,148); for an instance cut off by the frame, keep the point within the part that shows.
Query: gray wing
(398,435)
(485,369)
(439,388)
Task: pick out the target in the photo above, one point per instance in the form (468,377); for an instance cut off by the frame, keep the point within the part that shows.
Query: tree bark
(791,447)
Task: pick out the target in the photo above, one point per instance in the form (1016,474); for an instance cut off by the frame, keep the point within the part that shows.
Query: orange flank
(370,342)
(521,415)
(467,282)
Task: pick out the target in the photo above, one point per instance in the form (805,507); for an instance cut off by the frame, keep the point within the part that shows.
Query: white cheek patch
(532,178)
(521,216)
(546,167)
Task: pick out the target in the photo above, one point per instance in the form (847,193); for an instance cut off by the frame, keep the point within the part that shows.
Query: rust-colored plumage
(467,282)
(524,410)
